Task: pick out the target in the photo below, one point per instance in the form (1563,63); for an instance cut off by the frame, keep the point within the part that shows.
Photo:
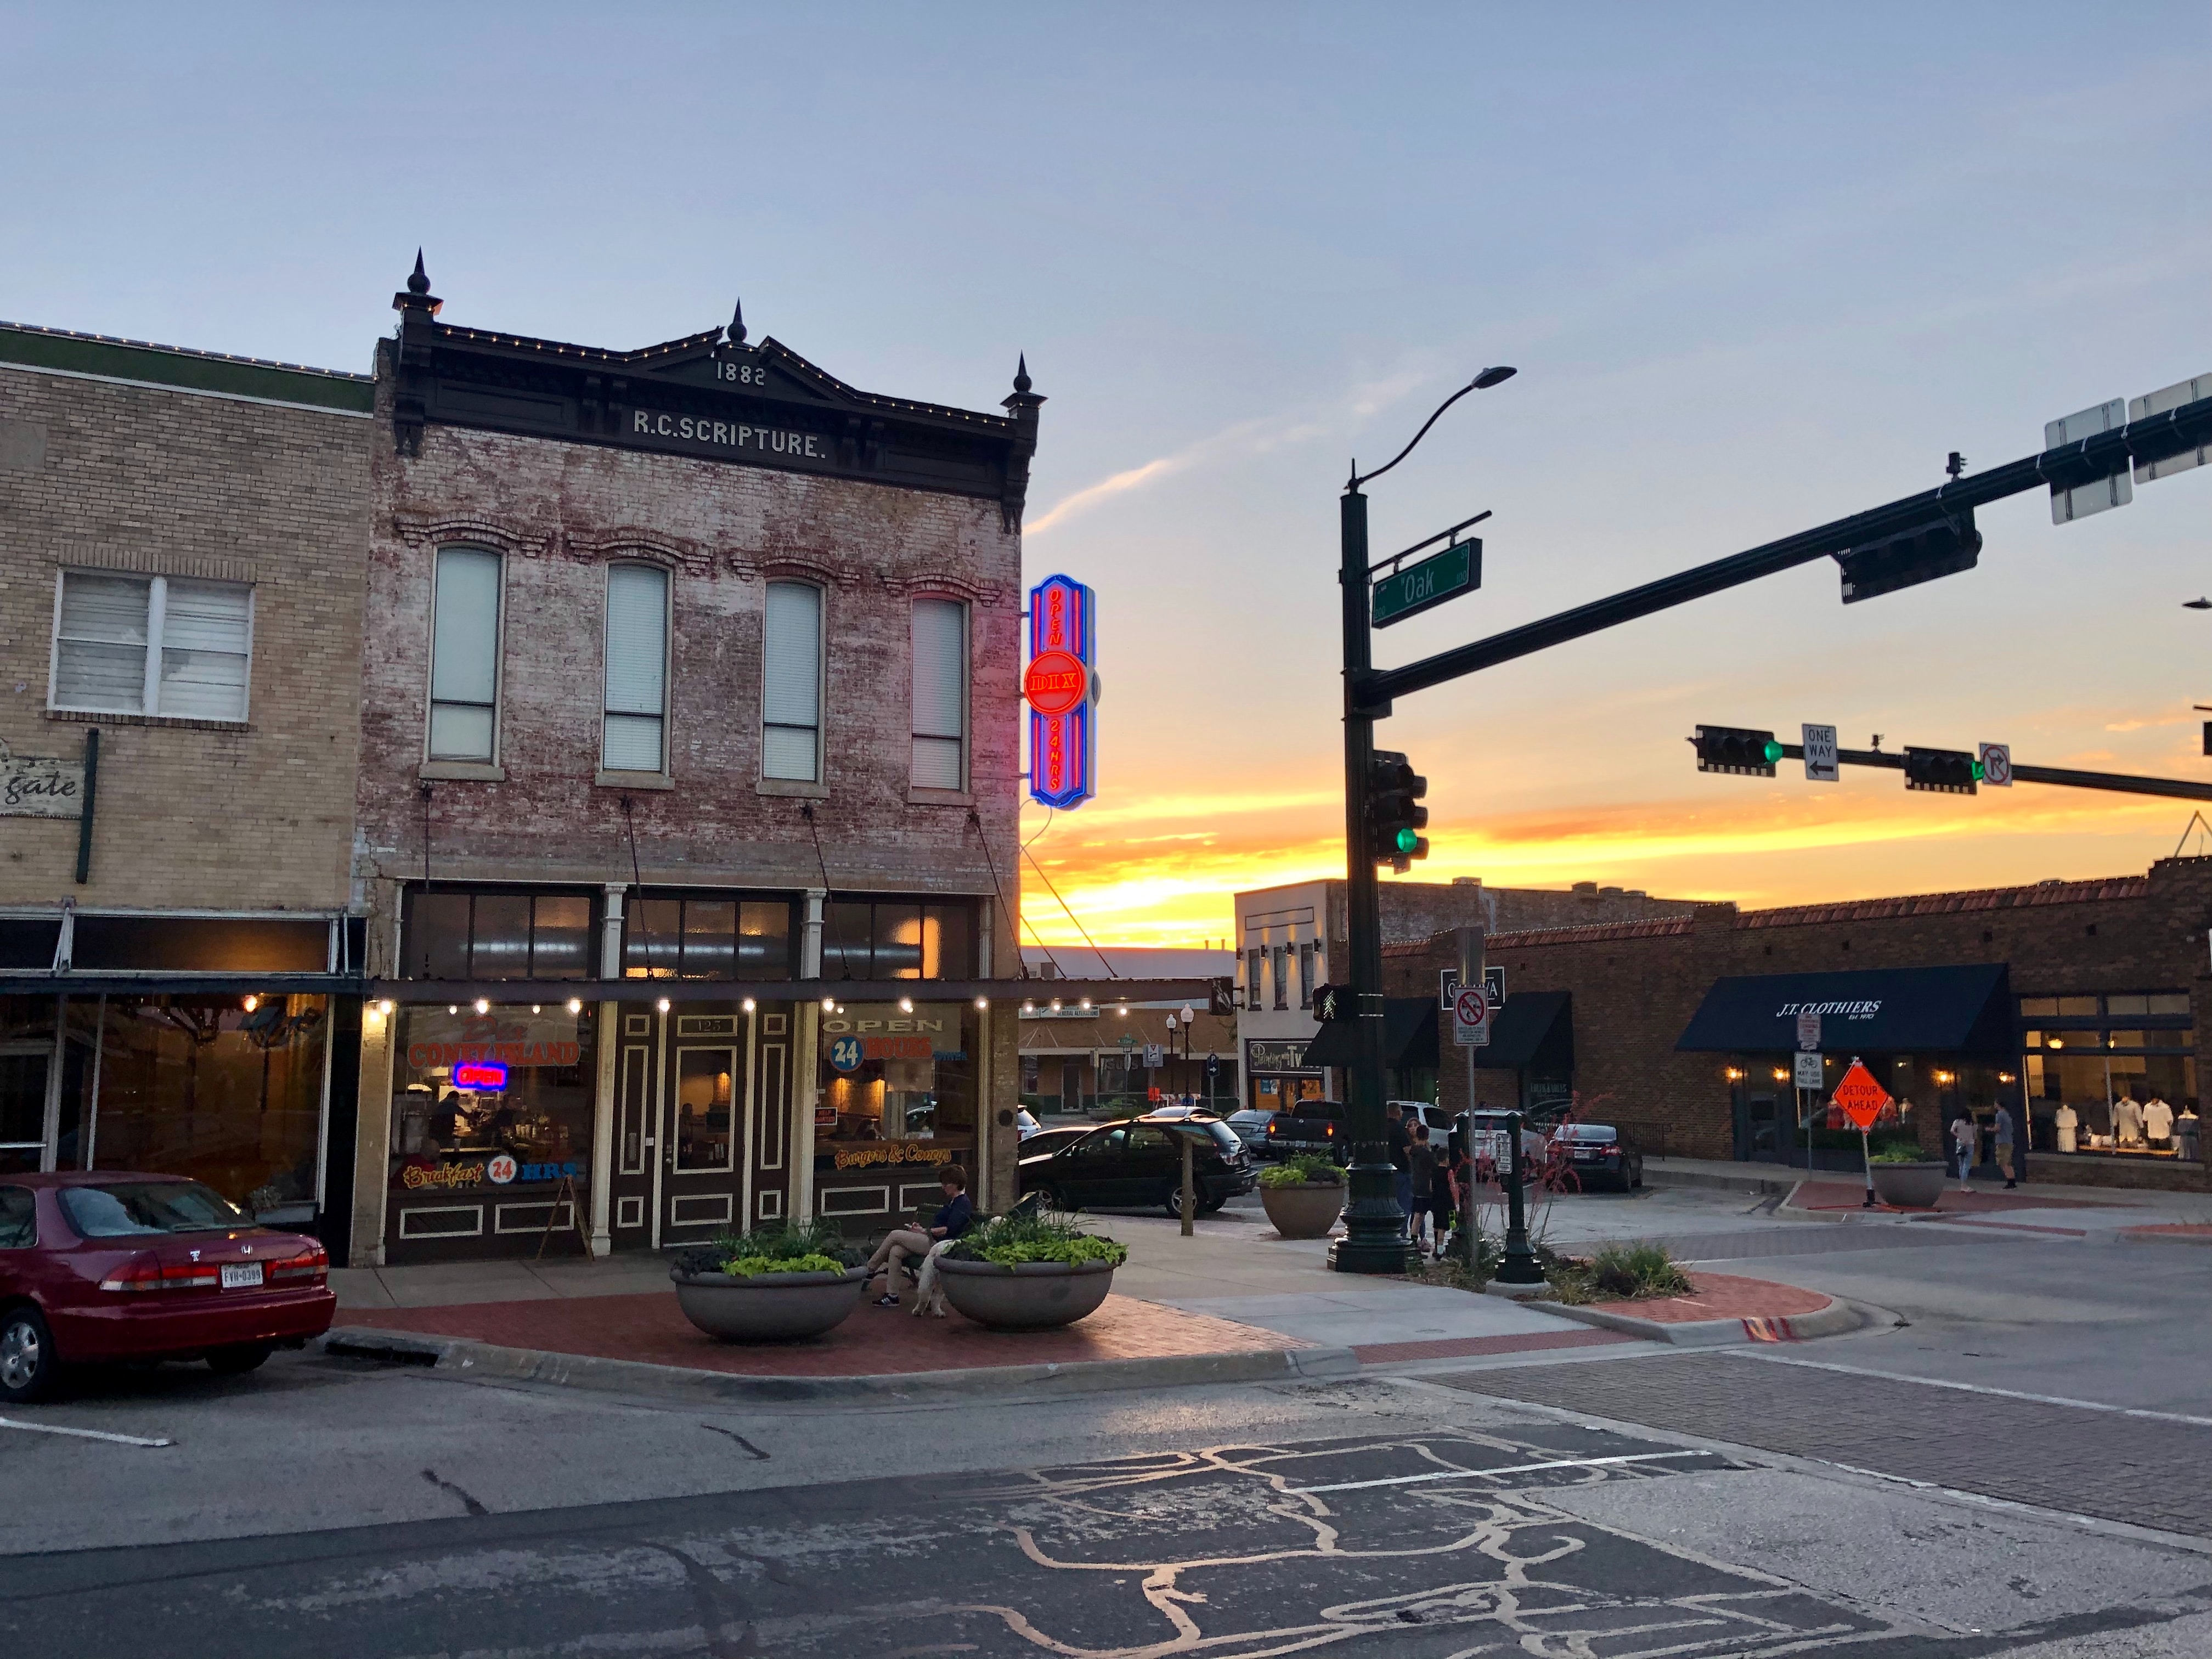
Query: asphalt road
(331,1508)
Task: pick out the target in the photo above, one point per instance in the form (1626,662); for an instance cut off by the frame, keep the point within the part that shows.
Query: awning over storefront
(1409,1035)
(1535,1028)
(1961,1010)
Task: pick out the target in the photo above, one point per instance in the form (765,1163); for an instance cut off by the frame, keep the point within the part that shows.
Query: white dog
(928,1289)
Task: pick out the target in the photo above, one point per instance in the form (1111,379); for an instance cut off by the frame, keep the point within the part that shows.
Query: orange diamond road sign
(1860,1096)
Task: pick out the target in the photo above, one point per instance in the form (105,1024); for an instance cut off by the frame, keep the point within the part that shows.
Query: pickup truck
(1311,1126)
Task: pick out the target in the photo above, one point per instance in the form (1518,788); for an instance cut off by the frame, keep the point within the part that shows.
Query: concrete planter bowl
(1035,1296)
(1908,1186)
(768,1307)
(1308,1210)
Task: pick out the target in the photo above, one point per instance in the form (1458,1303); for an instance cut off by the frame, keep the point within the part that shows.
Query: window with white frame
(636,735)
(791,690)
(465,656)
(151,645)
(941,694)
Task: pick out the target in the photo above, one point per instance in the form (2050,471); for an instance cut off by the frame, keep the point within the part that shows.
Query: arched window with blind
(634,734)
(941,694)
(791,690)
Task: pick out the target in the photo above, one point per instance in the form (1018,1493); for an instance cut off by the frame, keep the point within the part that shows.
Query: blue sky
(1760,266)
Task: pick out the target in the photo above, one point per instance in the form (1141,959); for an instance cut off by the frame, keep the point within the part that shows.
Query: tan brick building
(183,539)
(692,679)
(2103,998)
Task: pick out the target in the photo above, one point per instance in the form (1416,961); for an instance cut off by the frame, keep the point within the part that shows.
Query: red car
(108,1266)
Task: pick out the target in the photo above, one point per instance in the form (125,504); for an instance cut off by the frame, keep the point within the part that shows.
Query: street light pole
(1374,1239)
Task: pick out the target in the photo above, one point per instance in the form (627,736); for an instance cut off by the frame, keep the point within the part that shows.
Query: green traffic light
(1977,771)
(1408,840)
(1772,751)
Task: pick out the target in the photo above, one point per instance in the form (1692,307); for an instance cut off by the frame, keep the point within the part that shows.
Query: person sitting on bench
(952,1220)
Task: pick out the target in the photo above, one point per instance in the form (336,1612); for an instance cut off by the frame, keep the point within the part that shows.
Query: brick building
(2056,1002)
(1287,937)
(182,541)
(691,678)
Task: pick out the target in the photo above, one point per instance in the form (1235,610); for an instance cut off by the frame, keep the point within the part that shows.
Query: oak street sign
(1419,588)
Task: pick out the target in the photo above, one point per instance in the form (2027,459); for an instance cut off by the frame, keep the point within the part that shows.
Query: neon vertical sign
(1061,687)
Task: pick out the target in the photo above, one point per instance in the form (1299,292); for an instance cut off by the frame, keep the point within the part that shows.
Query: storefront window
(226,1090)
(476,935)
(898,1087)
(494,1099)
(707,938)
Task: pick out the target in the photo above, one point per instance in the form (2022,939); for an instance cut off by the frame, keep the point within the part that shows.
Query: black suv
(1137,1163)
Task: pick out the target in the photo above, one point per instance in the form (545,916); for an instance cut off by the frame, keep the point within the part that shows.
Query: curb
(1833,1319)
(467,1360)
(1747,1182)
(2150,1235)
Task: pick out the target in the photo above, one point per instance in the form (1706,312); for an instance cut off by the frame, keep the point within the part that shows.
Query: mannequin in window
(2184,1132)
(2066,1122)
(2157,1121)
(2128,1121)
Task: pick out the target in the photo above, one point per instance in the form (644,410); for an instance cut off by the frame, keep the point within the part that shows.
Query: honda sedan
(97,1268)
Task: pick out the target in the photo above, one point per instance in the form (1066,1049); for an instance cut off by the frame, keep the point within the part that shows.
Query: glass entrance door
(706,1088)
(23,1073)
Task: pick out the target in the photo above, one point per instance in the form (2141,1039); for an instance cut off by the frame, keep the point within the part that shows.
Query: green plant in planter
(1618,1272)
(812,1247)
(1899,1151)
(1303,1169)
(1032,1234)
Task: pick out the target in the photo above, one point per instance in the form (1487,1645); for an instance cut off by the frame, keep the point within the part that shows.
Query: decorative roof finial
(420,281)
(737,324)
(1022,374)
(416,299)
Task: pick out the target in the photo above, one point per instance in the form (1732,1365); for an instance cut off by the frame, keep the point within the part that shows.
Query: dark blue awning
(1963,1010)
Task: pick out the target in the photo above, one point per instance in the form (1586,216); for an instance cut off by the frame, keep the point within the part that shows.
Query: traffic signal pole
(1374,1239)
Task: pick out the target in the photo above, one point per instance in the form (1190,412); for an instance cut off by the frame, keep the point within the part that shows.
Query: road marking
(1978,1388)
(82,1434)
(1512,1468)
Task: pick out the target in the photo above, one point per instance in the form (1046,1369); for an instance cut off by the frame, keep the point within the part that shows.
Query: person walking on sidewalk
(2008,1155)
(1966,1136)
(1400,1144)
(951,1219)
(1421,1164)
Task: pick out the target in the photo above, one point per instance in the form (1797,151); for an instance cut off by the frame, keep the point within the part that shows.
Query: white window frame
(821,683)
(667,659)
(149,693)
(498,664)
(967,687)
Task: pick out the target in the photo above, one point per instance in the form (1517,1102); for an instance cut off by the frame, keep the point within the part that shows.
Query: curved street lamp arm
(1358,477)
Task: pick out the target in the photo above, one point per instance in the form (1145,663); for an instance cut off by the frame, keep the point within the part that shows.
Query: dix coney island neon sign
(1060,685)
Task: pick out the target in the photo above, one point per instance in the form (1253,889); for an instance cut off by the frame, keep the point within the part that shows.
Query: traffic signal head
(1941,547)
(1948,771)
(1736,749)
(1396,817)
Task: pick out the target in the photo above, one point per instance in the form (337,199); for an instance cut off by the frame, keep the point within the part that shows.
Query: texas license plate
(241,1276)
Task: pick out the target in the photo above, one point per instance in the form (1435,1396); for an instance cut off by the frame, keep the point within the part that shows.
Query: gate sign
(1860,1096)
(1062,686)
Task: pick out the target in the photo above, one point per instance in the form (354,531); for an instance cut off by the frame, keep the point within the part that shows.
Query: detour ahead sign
(1860,1096)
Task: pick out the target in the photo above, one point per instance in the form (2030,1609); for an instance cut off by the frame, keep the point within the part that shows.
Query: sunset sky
(1759,267)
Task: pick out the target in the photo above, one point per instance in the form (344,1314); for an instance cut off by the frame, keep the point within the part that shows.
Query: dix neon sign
(1061,687)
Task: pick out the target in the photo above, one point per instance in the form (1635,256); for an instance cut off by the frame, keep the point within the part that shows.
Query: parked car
(1137,1163)
(1250,1126)
(1025,1122)
(1438,1120)
(1309,1126)
(1598,1155)
(110,1266)
(1051,1140)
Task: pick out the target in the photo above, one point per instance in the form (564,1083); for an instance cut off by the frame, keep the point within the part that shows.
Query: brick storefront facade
(1635,987)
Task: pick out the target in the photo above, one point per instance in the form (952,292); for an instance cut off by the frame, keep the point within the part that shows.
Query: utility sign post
(1821,765)
(1471,1019)
(1419,588)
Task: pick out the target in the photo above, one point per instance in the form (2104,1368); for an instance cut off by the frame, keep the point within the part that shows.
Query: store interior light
(751,1004)
(1125,1011)
(452,1007)
(386,1007)
(662,1004)
(982,1002)
(1056,1004)
(483,1004)
(1084,1005)
(575,1004)
(906,1005)
(829,1005)
(536,1008)
(1029,1008)
(252,1003)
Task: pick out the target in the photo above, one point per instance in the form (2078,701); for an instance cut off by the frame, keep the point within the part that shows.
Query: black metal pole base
(1519,1265)
(1374,1239)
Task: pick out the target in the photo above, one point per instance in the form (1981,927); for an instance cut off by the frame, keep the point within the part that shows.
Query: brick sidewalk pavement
(2144,1472)
(874,1342)
(1722,1296)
